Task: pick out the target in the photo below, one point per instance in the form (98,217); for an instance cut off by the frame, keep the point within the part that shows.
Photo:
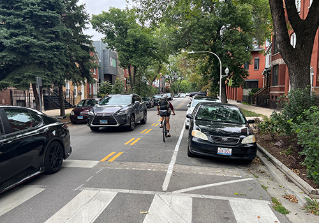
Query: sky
(96,7)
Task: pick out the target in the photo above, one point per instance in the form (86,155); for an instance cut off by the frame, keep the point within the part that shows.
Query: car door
(25,141)
(136,105)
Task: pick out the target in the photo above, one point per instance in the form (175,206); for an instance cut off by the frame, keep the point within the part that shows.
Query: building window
(246,66)
(251,84)
(112,62)
(298,5)
(256,63)
(75,90)
(293,40)
(275,75)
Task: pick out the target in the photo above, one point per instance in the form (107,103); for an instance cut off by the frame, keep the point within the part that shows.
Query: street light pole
(220,70)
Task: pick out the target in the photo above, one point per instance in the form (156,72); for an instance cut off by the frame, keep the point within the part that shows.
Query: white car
(194,102)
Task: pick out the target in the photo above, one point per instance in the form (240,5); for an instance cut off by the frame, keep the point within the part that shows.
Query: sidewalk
(56,112)
(259,110)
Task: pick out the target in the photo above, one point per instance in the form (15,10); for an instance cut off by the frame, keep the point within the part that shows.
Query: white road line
(80,163)
(85,207)
(168,208)
(173,160)
(252,212)
(211,185)
(12,200)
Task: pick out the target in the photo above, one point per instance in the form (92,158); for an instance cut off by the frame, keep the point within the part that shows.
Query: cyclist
(164,109)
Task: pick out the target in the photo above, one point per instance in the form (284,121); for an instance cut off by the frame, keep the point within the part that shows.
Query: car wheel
(94,129)
(189,153)
(53,158)
(144,120)
(132,123)
(186,126)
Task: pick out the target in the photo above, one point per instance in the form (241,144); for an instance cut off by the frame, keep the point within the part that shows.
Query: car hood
(107,109)
(79,109)
(222,128)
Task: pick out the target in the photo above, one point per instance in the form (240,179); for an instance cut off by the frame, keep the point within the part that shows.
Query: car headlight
(249,139)
(91,112)
(72,112)
(122,112)
(199,134)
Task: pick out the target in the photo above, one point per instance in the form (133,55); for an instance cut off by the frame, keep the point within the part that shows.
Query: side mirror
(250,121)
(189,116)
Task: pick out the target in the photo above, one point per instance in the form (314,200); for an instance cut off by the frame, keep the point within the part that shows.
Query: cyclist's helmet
(164,96)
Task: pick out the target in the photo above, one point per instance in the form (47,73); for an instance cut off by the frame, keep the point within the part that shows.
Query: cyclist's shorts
(164,113)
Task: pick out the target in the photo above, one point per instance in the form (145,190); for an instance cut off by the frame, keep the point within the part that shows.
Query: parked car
(176,95)
(157,98)
(118,110)
(30,143)
(220,130)
(169,96)
(187,94)
(149,102)
(182,95)
(79,114)
(193,94)
(194,102)
(202,93)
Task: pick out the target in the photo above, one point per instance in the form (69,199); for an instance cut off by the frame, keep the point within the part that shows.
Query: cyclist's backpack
(164,105)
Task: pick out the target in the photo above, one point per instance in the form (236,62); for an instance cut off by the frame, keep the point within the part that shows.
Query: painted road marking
(129,141)
(153,124)
(114,157)
(159,120)
(250,211)
(168,208)
(144,130)
(181,104)
(135,141)
(80,163)
(13,200)
(211,185)
(156,124)
(85,207)
(148,131)
(108,156)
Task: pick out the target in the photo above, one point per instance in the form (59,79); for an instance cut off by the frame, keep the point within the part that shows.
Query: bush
(105,88)
(307,129)
(118,87)
(291,107)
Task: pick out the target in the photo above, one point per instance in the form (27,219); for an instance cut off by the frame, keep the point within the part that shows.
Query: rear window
(87,103)
(220,114)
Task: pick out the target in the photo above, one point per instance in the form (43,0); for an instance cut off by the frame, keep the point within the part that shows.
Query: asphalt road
(116,175)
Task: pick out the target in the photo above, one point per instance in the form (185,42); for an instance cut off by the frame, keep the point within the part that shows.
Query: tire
(132,123)
(144,120)
(186,126)
(94,129)
(189,153)
(164,129)
(53,157)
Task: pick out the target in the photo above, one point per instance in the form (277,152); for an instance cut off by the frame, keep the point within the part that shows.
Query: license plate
(103,121)
(224,151)
(80,117)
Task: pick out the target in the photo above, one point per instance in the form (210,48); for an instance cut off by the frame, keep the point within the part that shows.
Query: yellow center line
(114,157)
(129,141)
(144,130)
(159,120)
(135,141)
(153,124)
(148,131)
(108,156)
(181,104)
(156,124)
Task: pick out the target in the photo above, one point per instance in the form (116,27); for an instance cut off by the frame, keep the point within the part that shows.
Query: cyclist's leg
(161,124)
(167,123)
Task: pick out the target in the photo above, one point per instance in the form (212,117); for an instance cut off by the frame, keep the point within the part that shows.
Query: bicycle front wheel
(164,129)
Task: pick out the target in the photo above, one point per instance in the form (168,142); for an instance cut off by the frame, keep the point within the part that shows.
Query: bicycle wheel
(164,129)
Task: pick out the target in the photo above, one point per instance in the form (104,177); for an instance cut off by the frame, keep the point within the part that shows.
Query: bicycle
(164,129)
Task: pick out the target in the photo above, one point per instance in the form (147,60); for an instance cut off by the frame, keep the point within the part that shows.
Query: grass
(252,114)
(264,187)
(256,176)
(312,206)
(278,206)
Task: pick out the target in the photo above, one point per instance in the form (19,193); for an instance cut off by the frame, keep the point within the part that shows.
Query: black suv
(118,110)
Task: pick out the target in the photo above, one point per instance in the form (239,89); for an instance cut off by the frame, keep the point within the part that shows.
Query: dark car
(220,130)
(30,143)
(79,114)
(193,94)
(202,93)
(157,99)
(118,110)
(149,102)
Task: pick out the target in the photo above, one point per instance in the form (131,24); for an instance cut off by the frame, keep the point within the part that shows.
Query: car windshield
(220,113)
(116,100)
(145,99)
(86,103)
(157,96)
(196,101)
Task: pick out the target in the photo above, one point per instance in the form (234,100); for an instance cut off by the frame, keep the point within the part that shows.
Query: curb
(298,188)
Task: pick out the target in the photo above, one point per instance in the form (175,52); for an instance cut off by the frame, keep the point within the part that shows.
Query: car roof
(14,106)
(200,97)
(218,104)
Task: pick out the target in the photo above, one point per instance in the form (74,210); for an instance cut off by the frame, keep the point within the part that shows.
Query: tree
(133,42)
(297,58)
(226,28)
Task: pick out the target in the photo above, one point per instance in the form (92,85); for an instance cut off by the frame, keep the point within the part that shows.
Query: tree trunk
(61,102)
(134,74)
(36,96)
(130,76)
(297,59)
(224,96)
